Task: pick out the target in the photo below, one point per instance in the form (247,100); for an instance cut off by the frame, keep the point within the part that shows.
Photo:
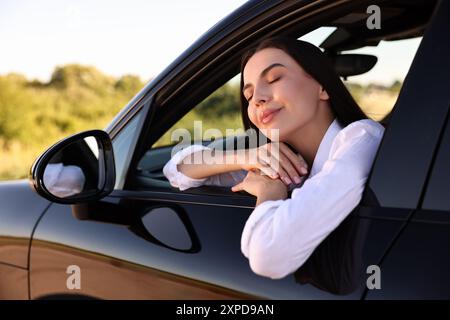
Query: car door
(150,241)
(416,265)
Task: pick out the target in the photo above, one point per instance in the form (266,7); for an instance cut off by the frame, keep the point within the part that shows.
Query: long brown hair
(317,65)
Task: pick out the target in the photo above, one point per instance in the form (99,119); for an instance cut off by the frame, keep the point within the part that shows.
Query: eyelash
(274,80)
(270,82)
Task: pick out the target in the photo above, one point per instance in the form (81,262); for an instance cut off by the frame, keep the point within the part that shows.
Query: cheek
(251,112)
(303,98)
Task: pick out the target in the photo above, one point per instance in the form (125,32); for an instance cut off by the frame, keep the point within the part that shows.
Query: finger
(251,157)
(255,171)
(267,170)
(264,167)
(238,187)
(270,156)
(263,155)
(290,171)
(281,164)
(277,167)
(297,160)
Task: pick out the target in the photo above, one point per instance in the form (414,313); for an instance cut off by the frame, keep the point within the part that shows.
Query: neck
(306,139)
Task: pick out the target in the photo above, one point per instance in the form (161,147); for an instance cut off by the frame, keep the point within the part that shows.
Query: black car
(130,235)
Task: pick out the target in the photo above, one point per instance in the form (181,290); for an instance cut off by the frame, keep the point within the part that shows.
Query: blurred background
(68,66)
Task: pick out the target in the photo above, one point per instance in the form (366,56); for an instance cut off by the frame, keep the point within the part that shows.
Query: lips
(267,115)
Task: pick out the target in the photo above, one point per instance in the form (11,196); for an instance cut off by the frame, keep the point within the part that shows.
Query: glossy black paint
(417,265)
(122,257)
(219,262)
(438,190)
(20,209)
(406,152)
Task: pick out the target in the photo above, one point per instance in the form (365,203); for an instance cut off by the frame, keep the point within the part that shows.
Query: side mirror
(77,169)
(353,64)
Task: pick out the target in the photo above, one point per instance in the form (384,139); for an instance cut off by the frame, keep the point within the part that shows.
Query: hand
(276,160)
(261,186)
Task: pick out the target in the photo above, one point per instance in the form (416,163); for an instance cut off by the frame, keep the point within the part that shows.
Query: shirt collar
(324,148)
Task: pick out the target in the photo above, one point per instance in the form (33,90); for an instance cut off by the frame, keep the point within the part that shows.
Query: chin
(280,137)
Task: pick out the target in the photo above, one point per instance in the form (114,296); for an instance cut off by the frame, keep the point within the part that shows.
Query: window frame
(142,111)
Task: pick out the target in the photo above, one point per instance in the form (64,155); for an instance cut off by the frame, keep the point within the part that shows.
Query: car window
(377,90)
(215,117)
(123,144)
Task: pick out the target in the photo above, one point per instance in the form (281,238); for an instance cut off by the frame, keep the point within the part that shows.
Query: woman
(289,87)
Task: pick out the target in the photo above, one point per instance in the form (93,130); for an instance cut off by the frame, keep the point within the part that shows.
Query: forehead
(264,58)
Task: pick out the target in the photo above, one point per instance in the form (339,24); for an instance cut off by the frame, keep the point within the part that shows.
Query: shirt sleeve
(279,236)
(183,182)
(63,181)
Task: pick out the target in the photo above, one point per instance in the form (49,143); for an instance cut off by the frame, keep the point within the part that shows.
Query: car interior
(400,20)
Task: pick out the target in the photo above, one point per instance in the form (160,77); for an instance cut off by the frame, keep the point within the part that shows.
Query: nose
(261,95)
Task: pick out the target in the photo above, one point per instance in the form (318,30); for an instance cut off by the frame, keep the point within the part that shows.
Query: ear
(323,94)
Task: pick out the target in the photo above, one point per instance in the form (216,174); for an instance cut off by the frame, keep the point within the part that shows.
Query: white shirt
(279,236)
(63,181)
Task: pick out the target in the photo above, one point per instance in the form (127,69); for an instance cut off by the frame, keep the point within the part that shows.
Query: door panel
(19,212)
(14,283)
(114,262)
(120,261)
(417,266)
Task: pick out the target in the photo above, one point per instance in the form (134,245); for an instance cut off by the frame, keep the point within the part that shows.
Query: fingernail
(303,170)
(287,180)
(297,179)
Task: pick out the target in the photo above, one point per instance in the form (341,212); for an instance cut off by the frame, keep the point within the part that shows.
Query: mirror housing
(352,64)
(77,169)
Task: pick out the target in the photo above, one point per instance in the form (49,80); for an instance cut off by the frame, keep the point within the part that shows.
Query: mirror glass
(75,170)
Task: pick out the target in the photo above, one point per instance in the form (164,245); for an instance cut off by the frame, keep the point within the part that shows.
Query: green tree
(13,110)
(33,114)
(223,102)
(75,75)
(129,83)
(395,86)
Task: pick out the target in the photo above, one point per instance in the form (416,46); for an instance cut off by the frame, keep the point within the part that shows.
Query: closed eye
(271,81)
(275,80)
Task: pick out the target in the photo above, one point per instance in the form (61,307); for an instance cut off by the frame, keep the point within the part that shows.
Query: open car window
(375,88)
(212,122)
(218,116)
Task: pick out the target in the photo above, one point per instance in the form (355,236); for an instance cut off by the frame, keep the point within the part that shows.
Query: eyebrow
(264,72)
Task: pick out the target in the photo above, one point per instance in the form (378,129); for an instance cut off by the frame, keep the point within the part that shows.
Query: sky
(138,37)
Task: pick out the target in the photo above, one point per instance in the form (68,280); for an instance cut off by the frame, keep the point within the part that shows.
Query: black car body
(146,240)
